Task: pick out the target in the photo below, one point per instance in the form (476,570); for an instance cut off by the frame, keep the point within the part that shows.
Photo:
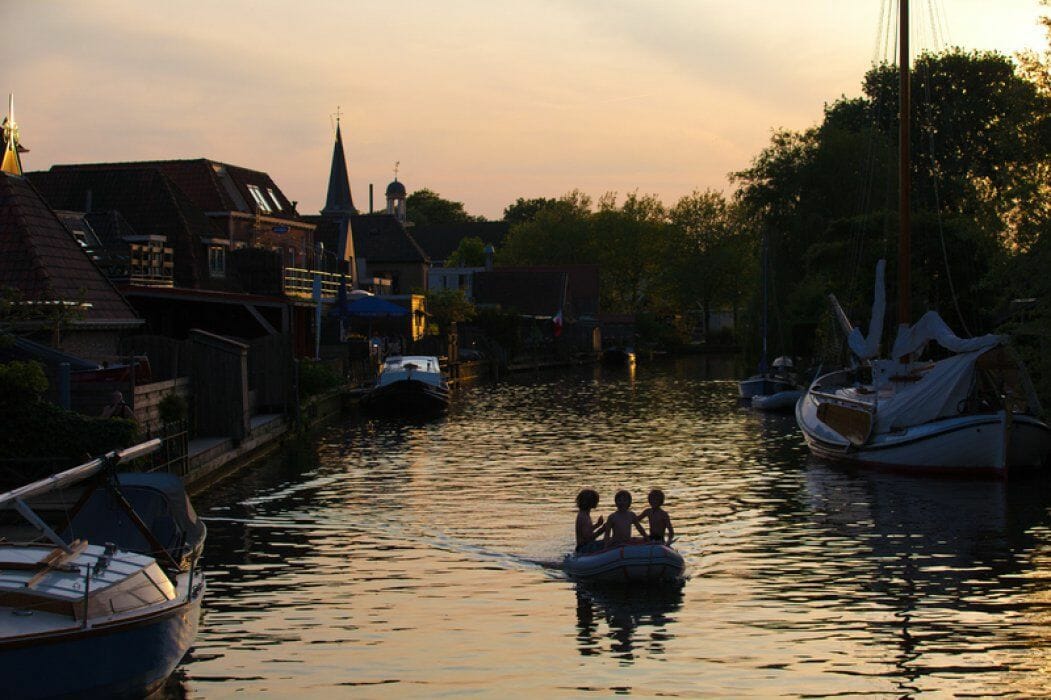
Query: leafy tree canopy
(425,207)
(470,253)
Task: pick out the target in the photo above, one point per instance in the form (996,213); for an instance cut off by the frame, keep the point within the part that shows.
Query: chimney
(370,197)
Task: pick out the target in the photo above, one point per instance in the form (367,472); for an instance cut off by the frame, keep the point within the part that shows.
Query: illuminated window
(277,202)
(260,200)
(217,261)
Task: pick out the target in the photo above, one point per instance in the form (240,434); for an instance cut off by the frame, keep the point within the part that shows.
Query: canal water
(384,559)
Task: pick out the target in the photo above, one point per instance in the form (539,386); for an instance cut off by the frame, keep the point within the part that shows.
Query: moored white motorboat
(778,402)
(108,608)
(409,385)
(638,561)
(765,384)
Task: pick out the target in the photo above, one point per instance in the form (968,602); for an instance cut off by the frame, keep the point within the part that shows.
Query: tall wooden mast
(904,174)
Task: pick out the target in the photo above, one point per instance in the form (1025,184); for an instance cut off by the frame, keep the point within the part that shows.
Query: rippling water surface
(386,559)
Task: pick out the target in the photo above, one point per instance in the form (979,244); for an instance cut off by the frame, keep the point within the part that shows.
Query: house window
(217,261)
(277,202)
(260,200)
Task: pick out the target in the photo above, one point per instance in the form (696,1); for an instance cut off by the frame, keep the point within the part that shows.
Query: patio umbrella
(369,308)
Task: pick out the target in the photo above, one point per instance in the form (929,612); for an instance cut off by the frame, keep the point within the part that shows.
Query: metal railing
(299,282)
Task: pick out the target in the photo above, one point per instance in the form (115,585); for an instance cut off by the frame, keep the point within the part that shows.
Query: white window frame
(277,202)
(260,200)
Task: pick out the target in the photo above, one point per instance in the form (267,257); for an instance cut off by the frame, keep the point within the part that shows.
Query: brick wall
(149,396)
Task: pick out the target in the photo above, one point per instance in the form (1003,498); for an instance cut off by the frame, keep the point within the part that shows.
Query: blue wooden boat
(109,606)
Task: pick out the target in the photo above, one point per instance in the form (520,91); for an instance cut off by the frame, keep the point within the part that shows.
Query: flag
(557,320)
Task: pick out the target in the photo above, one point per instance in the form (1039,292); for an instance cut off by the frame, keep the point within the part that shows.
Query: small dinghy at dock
(635,562)
(780,402)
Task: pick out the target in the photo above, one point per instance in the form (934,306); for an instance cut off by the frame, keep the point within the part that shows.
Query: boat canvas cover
(158,498)
(938,394)
(912,339)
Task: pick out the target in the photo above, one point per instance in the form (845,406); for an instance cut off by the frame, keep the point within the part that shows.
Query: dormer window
(277,202)
(260,200)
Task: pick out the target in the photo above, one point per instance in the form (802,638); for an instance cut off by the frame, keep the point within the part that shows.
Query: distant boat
(109,607)
(973,411)
(618,356)
(409,386)
(777,380)
(636,562)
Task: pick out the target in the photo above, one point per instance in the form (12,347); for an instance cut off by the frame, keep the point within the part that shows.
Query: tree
(627,245)
(524,210)
(470,253)
(560,233)
(425,208)
(710,256)
(447,306)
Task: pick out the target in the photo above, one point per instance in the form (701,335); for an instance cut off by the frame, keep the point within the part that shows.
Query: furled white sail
(868,347)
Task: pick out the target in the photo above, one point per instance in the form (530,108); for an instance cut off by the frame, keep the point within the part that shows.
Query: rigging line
(880,34)
(867,174)
(933,172)
(937,35)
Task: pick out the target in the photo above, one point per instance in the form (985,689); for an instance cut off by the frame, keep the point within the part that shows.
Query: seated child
(586,530)
(660,521)
(617,529)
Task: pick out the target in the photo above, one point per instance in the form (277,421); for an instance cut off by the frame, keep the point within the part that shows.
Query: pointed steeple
(12,163)
(338,201)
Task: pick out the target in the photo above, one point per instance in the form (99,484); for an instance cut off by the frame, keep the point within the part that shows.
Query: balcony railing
(299,282)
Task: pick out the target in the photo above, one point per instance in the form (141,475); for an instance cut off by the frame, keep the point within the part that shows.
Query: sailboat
(773,388)
(973,411)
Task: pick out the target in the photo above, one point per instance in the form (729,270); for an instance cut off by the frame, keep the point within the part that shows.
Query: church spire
(11,161)
(339,201)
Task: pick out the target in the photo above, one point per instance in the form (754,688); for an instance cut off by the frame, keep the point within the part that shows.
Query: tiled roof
(150,202)
(440,241)
(211,185)
(40,258)
(111,227)
(380,238)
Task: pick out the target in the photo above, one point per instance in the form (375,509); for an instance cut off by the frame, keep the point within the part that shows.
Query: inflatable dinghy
(635,562)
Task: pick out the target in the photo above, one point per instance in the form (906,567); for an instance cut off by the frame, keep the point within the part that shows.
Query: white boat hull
(980,443)
(782,401)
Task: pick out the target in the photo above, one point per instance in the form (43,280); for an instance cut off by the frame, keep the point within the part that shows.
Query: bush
(22,382)
(45,431)
(316,377)
(172,408)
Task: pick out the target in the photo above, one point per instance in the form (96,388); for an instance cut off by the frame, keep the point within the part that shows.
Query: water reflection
(406,555)
(624,611)
(941,556)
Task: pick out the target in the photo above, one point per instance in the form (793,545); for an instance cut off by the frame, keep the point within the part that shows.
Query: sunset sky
(481,101)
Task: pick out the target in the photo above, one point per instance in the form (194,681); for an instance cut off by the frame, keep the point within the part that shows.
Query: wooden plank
(56,558)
